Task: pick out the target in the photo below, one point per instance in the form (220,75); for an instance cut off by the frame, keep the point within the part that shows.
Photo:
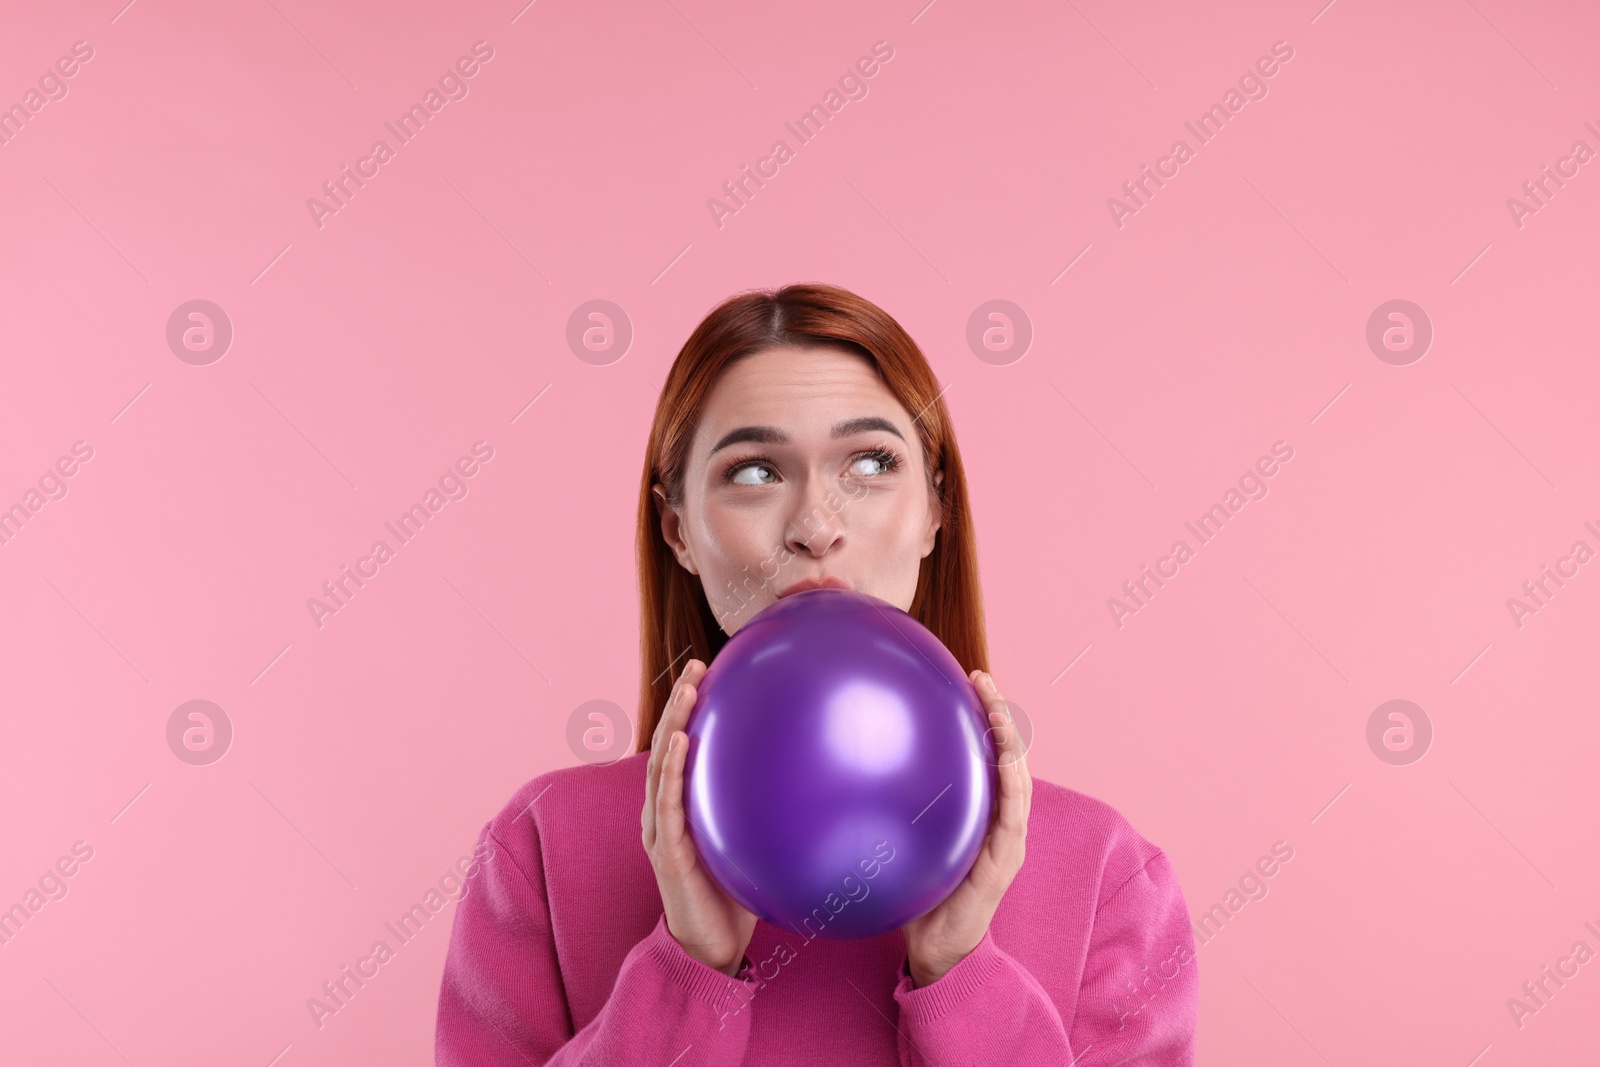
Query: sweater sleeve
(986,1009)
(1136,1006)
(501,1001)
(1139,1001)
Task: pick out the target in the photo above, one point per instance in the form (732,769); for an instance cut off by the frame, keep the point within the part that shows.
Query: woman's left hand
(938,940)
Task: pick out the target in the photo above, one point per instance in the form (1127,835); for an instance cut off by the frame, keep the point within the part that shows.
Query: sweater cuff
(951,989)
(706,984)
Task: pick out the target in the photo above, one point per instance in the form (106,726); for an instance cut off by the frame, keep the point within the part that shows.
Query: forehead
(798,388)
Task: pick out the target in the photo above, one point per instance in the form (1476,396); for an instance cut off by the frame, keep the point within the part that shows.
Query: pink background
(368,354)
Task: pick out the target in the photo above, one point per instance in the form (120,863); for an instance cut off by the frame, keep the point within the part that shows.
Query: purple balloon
(839,779)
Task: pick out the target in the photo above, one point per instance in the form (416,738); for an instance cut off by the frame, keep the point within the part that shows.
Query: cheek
(898,519)
(888,549)
(741,554)
(889,531)
(735,542)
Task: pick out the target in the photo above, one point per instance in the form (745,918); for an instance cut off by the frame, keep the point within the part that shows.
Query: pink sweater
(560,955)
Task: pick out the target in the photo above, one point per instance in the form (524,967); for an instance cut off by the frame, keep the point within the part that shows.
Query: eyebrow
(771,435)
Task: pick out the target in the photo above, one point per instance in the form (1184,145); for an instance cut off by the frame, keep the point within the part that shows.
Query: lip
(804,584)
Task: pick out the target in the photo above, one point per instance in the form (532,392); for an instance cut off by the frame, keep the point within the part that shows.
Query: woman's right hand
(710,925)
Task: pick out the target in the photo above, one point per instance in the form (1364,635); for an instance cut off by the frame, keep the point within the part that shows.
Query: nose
(815,527)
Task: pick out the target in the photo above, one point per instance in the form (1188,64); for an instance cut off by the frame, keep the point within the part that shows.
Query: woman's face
(803,466)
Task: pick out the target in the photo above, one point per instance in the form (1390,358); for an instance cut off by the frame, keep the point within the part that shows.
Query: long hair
(676,622)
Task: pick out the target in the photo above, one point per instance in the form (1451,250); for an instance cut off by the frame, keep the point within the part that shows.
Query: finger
(987,693)
(1014,780)
(665,724)
(679,704)
(984,683)
(673,720)
(999,858)
(655,735)
(677,715)
(1017,749)
(993,702)
(1011,823)
(669,801)
(647,814)
(652,773)
(1018,752)
(660,732)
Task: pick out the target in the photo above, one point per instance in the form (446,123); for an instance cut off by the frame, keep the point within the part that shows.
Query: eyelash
(889,460)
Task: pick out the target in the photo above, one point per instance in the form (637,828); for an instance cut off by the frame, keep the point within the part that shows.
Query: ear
(672,529)
(935,512)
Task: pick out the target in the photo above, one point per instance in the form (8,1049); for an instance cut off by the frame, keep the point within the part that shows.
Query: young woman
(800,439)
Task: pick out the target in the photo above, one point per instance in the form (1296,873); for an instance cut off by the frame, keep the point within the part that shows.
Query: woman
(801,439)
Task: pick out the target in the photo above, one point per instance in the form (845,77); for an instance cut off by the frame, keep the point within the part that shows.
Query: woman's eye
(750,474)
(875,463)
